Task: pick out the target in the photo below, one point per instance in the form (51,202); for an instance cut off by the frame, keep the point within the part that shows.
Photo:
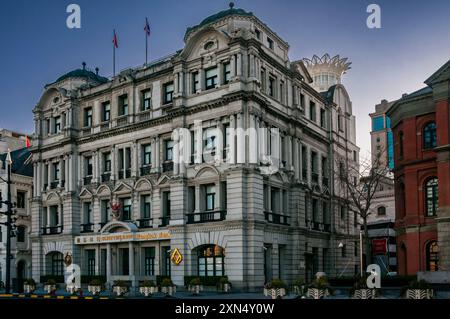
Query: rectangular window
(57,125)
(344,251)
(281,91)
(226,73)
(211,78)
(147,154)
(149,261)
(126,209)
(88,117)
(166,204)
(302,100)
(123,105)
(168,156)
(146,100)
(20,234)
(165,256)
(168,92)
(271,86)
(88,163)
(270,43)
(195,82)
(90,254)
(342,211)
(258,34)
(56,172)
(210,194)
(107,162)
(21,197)
(103,262)
(312,111)
(146,206)
(323,120)
(106,211)
(106,110)
(209,143)
(54,216)
(87,213)
(315,210)
(263,80)
(47,122)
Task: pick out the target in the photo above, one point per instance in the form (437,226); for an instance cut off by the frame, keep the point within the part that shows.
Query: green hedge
(206,281)
(159,279)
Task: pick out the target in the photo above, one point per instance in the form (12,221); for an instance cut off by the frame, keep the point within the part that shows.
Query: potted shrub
(50,286)
(95,287)
(72,288)
(120,287)
(195,286)
(299,287)
(224,284)
(275,289)
(419,289)
(148,288)
(319,288)
(361,291)
(29,286)
(167,287)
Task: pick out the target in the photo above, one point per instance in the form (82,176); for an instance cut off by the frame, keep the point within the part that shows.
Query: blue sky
(37,47)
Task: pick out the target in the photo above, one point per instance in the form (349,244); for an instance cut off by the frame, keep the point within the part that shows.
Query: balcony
(122,120)
(145,115)
(52,230)
(87,180)
(145,222)
(167,166)
(145,170)
(87,228)
(275,218)
(315,178)
(54,184)
(125,173)
(164,221)
(86,130)
(106,177)
(205,217)
(104,126)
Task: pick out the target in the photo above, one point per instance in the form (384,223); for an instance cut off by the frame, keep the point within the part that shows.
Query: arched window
(211,261)
(381,211)
(55,264)
(21,234)
(429,136)
(402,200)
(432,256)
(431,196)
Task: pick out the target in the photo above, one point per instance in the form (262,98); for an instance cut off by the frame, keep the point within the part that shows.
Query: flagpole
(146,47)
(114,54)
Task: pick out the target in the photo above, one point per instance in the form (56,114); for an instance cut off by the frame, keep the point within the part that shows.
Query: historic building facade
(420,123)
(115,190)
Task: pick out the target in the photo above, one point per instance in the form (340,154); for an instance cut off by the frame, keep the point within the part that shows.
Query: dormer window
(270,43)
(209,45)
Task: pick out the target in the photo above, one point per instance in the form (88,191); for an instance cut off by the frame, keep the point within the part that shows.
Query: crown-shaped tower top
(326,71)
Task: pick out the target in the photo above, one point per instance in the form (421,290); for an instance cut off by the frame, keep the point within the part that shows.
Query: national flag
(147,27)
(115,40)
(27,142)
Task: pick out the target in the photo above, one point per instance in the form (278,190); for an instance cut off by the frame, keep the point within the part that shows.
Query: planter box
(95,290)
(365,293)
(224,287)
(29,289)
(72,289)
(317,293)
(120,291)
(275,293)
(171,290)
(148,291)
(50,288)
(195,289)
(419,293)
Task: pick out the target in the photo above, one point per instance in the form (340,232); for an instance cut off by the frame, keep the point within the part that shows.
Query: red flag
(27,142)
(115,40)
(147,27)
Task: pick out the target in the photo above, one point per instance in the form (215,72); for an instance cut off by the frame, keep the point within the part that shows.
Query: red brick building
(421,128)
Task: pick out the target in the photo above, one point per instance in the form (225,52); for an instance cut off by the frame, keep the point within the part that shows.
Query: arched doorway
(20,271)
(432,254)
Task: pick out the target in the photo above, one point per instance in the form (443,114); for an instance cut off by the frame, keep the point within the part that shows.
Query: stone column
(220,138)
(240,140)
(108,263)
(233,66)
(296,159)
(176,155)
(197,199)
(49,174)
(239,65)
(252,141)
(157,155)
(131,261)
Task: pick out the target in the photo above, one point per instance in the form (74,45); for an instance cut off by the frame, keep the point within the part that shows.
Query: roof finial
(84,65)
(231,5)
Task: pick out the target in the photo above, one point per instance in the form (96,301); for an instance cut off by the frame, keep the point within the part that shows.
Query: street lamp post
(8,224)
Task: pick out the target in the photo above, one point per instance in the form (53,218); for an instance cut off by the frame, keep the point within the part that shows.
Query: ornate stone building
(272,209)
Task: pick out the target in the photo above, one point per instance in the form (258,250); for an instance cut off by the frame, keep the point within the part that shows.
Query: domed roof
(83,73)
(218,16)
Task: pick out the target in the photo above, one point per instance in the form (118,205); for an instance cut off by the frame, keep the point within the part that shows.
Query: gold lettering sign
(108,238)
(176,257)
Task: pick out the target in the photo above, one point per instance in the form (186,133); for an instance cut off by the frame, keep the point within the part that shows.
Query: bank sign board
(122,237)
